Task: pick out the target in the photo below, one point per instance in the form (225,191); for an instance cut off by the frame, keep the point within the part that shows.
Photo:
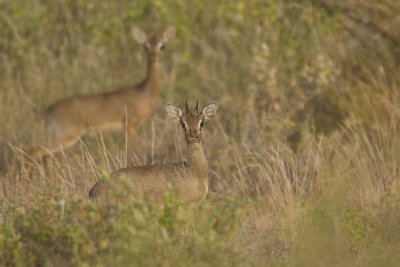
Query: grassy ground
(304,152)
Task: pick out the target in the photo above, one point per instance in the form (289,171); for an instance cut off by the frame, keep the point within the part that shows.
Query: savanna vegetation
(304,152)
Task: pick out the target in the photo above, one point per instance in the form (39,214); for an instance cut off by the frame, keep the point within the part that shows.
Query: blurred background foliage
(302,60)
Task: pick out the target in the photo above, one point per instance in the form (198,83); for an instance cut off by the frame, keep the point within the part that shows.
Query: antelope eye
(146,47)
(201,124)
(183,125)
(162,46)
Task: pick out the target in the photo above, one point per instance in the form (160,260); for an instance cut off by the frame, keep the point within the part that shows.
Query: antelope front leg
(131,143)
(131,130)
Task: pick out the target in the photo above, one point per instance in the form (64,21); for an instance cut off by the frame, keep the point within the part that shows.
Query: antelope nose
(198,137)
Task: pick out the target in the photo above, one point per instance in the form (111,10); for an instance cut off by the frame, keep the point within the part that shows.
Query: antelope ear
(174,112)
(168,34)
(209,111)
(139,36)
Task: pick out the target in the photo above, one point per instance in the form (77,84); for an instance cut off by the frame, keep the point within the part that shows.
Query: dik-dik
(188,179)
(69,119)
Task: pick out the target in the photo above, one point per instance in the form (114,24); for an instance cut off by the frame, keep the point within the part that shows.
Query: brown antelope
(71,118)
(188,179)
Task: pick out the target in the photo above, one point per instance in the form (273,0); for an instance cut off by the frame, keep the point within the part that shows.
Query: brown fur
(71,118)
(188,179)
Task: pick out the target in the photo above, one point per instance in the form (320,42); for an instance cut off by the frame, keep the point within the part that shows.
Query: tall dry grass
(306,137)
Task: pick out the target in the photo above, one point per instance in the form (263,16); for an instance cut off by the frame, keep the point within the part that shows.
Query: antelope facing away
(71,118)
(188,179)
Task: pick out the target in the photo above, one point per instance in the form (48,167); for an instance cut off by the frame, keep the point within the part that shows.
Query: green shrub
(81,232)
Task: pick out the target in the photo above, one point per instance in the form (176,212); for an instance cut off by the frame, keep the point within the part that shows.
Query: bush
(84,233)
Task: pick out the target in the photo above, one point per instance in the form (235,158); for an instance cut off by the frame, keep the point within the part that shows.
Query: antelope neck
(197,159)
(153,77)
